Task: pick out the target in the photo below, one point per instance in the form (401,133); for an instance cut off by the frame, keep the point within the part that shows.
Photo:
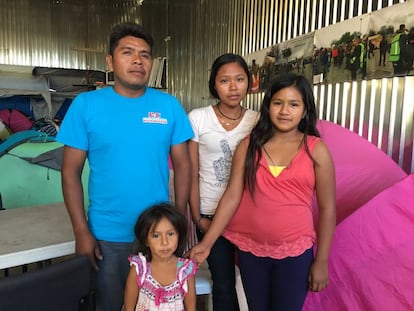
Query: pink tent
(372,256)
(362,170)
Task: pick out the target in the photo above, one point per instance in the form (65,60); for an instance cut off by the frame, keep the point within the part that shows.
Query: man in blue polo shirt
(129,168)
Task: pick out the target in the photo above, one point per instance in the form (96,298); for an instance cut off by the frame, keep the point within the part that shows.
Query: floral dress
(154,296)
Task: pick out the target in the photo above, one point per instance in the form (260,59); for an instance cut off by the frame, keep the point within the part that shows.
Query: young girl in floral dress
(159,279)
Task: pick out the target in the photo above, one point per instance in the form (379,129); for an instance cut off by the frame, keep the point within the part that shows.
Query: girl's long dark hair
(265,129)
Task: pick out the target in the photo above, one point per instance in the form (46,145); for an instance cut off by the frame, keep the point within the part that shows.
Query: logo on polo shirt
(154,117)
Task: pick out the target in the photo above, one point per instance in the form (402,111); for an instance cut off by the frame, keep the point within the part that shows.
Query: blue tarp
(21,137)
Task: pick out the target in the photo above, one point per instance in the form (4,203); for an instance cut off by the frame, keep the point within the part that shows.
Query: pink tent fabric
(362,170)
(372,256)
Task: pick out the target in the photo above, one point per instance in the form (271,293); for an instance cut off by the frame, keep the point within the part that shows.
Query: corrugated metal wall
(197,31)
(379,110)
(60,33)
(192,33)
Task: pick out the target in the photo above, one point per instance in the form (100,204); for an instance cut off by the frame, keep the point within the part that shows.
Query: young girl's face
(286,109)
(231,84)
(162,239)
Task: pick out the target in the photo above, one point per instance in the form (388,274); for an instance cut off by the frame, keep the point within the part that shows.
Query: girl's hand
(318,276)
(204,224)
(199,253)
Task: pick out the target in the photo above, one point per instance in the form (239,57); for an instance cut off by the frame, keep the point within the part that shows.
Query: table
(32,234)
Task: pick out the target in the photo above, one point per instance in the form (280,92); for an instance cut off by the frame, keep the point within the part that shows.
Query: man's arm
(182,175)
(194,200)
(72,166)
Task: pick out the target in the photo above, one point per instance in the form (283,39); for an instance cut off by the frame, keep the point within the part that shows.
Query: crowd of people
(402,50)
(249,179)
(350,58)
(396,49)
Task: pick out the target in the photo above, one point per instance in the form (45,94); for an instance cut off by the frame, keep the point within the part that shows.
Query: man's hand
(86,245)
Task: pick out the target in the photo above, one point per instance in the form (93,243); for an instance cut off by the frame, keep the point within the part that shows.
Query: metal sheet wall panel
(381,110)
(192,33)
(60,33)
(200,31)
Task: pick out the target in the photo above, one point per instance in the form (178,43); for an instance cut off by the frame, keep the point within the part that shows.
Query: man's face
(131,63)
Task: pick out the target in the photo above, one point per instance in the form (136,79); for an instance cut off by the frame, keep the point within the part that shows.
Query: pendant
(225,123)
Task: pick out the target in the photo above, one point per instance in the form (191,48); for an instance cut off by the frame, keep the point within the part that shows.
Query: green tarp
(25,184)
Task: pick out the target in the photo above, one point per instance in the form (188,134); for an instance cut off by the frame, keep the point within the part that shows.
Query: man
(129,167)
(384,49)
(358,59)
(409,51)
(398,51)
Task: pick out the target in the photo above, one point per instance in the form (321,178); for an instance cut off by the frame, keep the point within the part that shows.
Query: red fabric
(15,120)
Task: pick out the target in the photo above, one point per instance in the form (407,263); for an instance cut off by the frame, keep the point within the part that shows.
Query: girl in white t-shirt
(217,130)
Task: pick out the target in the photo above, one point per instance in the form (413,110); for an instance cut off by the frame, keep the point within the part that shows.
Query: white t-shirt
(215,151)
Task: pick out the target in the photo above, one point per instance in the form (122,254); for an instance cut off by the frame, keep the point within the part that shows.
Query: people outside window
(398,51)
(266,210)
(335,55)
(409,52)
(217,130)
(370,47)
(324,58)
(159,278)
(129,169)
(384,48)
(255,73)
(358,59)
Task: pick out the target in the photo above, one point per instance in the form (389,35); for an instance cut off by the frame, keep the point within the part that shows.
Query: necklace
(271,159)
(268,155)
(227,123)
(227,117)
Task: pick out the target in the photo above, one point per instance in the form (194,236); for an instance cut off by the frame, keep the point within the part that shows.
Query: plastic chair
(204,287)
(203,284)
(63,286)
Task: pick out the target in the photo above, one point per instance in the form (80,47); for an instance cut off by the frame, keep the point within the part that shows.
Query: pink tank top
(278,223)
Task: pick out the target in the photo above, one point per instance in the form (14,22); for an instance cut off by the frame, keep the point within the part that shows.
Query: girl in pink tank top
(266,210)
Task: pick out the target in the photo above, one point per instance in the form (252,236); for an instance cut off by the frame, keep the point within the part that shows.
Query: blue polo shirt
(128,141)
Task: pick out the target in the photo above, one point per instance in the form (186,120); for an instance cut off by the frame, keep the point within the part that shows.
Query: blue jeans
(221,265)
(111,277)
(275,284)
